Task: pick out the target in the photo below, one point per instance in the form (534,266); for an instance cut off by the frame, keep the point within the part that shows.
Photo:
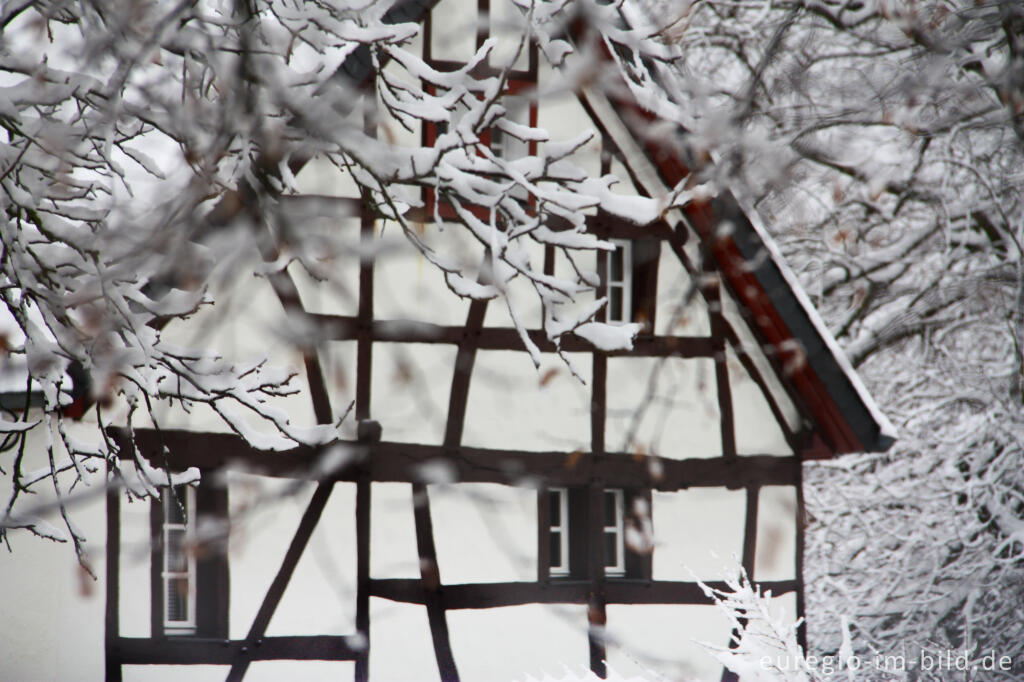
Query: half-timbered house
(483,518)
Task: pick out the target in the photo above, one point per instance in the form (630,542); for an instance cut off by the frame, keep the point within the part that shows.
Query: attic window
(620,282)
(631,276)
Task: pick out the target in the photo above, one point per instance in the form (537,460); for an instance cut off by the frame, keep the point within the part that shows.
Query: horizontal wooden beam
(493,595)
(346,328)
(402,462)
(193,651)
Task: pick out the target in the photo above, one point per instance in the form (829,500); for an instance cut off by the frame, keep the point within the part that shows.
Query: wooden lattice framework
(724,270)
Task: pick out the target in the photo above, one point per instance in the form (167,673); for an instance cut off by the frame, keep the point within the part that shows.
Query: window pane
(173,503)
(497,142)
(615,304)
(611,550)
(609,509)
(555,549)
(177,600)
(615,265)
(177,561)
(555,503)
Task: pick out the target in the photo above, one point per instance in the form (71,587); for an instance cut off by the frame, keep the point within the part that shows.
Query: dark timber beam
(496,595)
(750,530)
(192,651)
(400,462)
(348,328)
(369,431)
(801,521)
(112,627)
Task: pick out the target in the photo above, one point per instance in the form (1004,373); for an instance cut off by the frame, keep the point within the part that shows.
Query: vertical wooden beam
(750,531)
(156,560)
(364,341)
(483,11)
(598,402)
(363,577)
(749,553)
(369,432)
(801,522)
(599,374)
(597,614)
(543,536)
(273,597)
(112,624)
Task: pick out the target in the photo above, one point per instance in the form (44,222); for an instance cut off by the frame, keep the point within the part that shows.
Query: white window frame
(625,284)
(188,500)
(617,568)
(562,529)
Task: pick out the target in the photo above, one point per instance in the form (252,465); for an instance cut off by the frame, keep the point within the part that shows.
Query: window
(559,533)
(614,537)
(189,570)
(179,560)
(567,529)
(620,282)
(631,281)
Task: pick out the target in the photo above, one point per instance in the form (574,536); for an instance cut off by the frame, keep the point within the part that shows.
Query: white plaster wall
(400,643)
(52,623)
(564,118)
(776,533)
(393,552)
(669,407)
(678,312)
(52,611)
(661,640)
(757,430)
(307,671)
(320,599)
(331,283)
(512,405)
(507,24)
(246,323)
(174,673)
(135,555)
(484,532)
(408,287)
(455,28)
(535,639)
(410,387)
(699,532)
(338,368)
(758,354)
